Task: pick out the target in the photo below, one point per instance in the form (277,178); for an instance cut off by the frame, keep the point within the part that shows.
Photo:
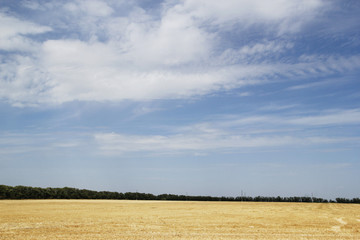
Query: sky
(190,97)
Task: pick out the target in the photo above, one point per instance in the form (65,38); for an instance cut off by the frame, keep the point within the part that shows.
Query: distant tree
(24,192)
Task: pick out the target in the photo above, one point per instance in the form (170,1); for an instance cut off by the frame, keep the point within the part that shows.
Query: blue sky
(186,97)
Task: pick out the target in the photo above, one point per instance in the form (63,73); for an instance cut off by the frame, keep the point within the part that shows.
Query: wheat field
(118,219)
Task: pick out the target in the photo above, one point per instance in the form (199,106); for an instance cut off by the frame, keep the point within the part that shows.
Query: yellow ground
(102,219)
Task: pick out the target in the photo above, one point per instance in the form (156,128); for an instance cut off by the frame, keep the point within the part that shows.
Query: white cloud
(285,16)
(94,8)
(74,70)
(32,4)
(13,34)
(311,85)
(244,94)
(253,53)
(337,117)
(106,56)
(172,41)
(22,82)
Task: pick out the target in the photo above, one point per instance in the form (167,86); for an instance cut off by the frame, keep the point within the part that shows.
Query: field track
(118,219)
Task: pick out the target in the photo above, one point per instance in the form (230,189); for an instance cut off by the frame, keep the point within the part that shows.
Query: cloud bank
(113,51)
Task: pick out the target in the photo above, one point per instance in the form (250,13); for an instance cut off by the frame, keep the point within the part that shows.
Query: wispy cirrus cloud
(328,117)
(221,135)
(254,132)
(15,143)
(284,16)
(312,85)
(114,143)
(351,116)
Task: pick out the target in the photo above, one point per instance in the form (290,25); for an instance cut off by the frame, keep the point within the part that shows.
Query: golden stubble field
(112,219)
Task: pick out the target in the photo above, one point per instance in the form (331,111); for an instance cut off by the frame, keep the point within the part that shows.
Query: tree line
(25,192)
